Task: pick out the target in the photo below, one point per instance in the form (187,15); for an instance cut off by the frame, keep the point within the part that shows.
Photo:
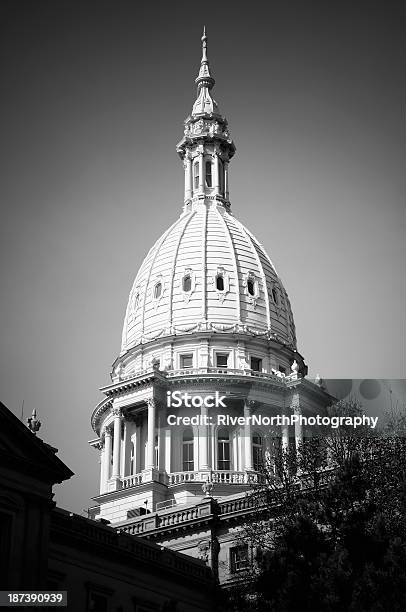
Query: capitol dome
(207,272)
(207,293)
(207,318)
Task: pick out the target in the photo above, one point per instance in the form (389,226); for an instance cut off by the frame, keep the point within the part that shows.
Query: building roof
(201,245)
(24,452)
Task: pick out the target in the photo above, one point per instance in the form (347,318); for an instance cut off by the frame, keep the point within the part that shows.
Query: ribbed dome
(207,272)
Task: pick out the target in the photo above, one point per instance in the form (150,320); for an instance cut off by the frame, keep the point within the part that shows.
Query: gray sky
(93,100)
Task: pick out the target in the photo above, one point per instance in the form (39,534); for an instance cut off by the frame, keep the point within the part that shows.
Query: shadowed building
(207,314)
(46,548)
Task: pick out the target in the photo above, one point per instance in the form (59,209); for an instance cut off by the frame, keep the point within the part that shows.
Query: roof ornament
(33,423)
(204,78)
(208,486)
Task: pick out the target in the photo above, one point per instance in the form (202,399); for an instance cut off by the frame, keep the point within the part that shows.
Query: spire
(204,78)
(205,103)
(206,146)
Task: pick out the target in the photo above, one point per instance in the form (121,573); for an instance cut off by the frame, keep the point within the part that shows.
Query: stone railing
(131,481)
(224,371)
(175,478)
(169,518)
(214,476)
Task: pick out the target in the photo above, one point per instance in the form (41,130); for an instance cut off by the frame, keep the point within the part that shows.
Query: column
(204,430)
(296,410)
(226,185)
(124,452)
(117,443)
(201,173)
(137,459)
(102,476)
(161,441)
(168,450)
(151,435)
(216,183)
(188,177)
(285,437)
(247,437)
(107,457)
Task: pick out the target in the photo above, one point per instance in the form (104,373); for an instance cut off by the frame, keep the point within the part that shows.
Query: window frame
(259,360)
(257,452)
(182,356)
(157,285)
(196,174)
(188,445)
(220,354)
(243,562)
(223,444)
(209,165)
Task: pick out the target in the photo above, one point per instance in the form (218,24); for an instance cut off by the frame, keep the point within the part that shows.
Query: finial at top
(204,78)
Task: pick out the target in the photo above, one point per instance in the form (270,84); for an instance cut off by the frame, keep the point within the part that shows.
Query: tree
(329,538)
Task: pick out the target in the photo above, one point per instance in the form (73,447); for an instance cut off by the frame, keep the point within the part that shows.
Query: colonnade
(114,466)
(219,183)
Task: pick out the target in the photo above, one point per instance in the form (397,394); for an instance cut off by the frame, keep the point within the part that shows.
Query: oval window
(187,283)
(275,296)
(251,287)
(158,290)
(220,283)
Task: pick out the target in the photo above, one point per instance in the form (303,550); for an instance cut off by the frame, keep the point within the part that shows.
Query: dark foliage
(330,528)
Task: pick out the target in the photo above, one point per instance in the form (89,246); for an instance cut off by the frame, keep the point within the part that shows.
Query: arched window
(208,174)
(196,174)
(223,450)
(187,283)
(187,451)
(158,290)
(275,296)
(219,282)
(257,452)
(251,286)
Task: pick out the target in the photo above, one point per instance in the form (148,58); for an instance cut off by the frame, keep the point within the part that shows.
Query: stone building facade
(46,548)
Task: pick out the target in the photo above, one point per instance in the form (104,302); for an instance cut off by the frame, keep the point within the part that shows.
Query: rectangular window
(222,360)
(257,457)
(256,364)
(208,174)
(188,462)
(224,456)
(196,174)
(239,559)
(186,361)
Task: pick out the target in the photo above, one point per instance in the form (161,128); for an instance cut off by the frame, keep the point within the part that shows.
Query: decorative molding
(222,272)
(250,276)
(188,294)
(159,279)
